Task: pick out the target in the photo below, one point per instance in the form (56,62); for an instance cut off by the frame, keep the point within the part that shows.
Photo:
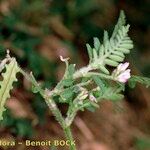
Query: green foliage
(68,76)
(67,95)
(112,51)
(9,76)
(8,120)
(121,22)
(67,79)
(23,128)
(142,143)
(99,83)
(112,94)
(138,79)
(80,89)
(107,90)
(70,71)
(19,126)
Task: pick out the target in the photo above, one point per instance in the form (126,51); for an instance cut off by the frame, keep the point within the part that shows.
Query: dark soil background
(37,32)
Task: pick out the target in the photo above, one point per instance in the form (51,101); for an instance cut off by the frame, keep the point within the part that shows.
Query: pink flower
(124,76)
(123,67)
(121,74)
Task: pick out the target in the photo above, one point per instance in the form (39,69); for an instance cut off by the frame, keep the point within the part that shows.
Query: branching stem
(53,107)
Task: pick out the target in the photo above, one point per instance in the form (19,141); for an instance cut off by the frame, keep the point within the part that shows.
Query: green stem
(53,107)
(56,112)
(104,76)
(89,74)
(70,117)
(69,137)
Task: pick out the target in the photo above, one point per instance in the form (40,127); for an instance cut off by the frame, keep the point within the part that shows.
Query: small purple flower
(122,74)
(123,67)
(123,77)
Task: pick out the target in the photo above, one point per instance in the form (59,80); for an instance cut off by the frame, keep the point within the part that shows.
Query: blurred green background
(37,32)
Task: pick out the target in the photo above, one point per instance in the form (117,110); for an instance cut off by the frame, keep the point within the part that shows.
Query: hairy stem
(69,137)
(69,119)
(87,72)
(56,112)
(53,107)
